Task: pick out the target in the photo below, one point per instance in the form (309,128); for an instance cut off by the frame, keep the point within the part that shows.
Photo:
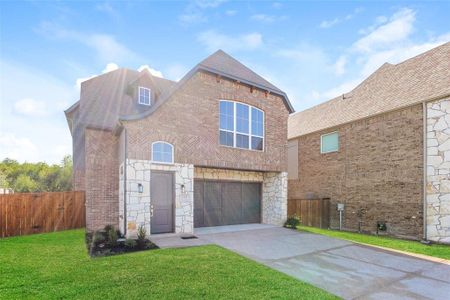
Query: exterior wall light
(140,188)
(183,189)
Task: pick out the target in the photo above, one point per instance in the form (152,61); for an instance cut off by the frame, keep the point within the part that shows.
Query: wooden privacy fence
(312,212)
(28,213)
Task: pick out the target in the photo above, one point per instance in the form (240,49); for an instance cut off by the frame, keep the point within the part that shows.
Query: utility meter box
(340,206)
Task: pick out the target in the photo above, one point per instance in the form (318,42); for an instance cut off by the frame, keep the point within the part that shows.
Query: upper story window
(145,96)
(162,152)
(241,125)
(329,142)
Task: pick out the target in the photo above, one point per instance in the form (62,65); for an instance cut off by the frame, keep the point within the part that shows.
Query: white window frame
(162,162)
(321,142)
(149,96)
(235,132)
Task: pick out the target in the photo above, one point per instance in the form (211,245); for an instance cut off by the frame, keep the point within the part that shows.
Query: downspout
(424,106)
(125,184)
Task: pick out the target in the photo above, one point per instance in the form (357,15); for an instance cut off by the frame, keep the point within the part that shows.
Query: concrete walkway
(349,270)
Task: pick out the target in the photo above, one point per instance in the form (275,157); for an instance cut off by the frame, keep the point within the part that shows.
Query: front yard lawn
(441,251)
(56,266)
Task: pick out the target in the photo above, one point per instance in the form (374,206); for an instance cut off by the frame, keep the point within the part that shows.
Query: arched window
(162,152)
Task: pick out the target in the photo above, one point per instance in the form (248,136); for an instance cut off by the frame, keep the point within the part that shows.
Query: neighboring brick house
(208,150)
(383,150)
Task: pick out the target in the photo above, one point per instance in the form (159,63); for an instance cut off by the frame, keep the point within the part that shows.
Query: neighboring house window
(329,142)
(144,96)
(162,152)
(241,125)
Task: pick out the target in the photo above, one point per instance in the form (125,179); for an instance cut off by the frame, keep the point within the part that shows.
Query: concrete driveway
(348,270)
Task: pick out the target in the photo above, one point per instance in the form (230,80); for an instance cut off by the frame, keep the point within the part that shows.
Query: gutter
(424,216)
(125,184)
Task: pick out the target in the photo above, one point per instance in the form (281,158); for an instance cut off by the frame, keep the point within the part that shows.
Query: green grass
(441,251)
(56,266)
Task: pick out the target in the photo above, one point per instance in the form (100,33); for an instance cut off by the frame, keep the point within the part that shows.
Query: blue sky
(312,50)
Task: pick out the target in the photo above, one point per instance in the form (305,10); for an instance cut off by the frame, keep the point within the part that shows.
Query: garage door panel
(198,204)
(231,203)
(225,203)
(251,202)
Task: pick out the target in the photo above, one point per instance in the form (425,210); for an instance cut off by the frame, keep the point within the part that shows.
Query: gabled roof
(422,78)
(222,64)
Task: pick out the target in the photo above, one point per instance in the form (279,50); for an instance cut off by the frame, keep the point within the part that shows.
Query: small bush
(130,243)
(99,238)
(292,222)
(111,235)
(141,236)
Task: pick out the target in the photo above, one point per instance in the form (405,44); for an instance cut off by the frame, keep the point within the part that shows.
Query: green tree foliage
(36,177)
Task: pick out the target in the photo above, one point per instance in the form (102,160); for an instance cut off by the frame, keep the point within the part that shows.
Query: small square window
(144,96)
(329,142)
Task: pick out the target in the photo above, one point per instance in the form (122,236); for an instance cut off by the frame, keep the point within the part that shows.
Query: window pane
(226,138)
(330,142)
(167,157)
(242,118)
(162,152)
(226,115)
(242,141)
(157,156)
(257,122)
(257,143)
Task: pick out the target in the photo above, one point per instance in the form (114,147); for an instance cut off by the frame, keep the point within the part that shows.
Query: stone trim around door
(438,171)
(137,209)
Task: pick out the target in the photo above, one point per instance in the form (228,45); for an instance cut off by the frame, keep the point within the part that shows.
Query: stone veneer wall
(274,198)
(138,204)
(274,185)
(438,171)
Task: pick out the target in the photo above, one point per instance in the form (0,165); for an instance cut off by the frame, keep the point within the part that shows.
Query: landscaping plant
(292,222)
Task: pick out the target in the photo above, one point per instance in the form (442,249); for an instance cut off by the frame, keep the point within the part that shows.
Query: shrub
(141,236)
(292,222)
(130,243)
(111,235)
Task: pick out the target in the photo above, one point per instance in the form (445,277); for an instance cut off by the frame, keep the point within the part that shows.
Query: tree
(25,184)
(36,177)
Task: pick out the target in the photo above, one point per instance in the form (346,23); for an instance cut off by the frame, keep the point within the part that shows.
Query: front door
(162,201)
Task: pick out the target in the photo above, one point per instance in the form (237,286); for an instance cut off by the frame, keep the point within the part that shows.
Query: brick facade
(101,179)
(189,120)
(379,167)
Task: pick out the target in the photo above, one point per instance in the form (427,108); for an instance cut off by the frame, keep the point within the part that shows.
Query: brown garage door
(225,203)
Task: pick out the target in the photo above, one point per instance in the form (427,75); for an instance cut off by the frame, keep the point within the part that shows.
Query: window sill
(244,149)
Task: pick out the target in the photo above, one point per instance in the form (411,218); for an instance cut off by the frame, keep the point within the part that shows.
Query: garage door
(225,203)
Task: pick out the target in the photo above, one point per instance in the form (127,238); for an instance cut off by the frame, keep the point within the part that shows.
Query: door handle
(151,210)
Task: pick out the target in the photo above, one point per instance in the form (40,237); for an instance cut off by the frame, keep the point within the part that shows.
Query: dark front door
(225,203)
(162,201)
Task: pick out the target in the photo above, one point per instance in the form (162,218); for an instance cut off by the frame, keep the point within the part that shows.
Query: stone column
(274,198)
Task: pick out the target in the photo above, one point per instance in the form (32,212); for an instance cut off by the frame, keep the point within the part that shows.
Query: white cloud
(267,18)
(214,40)
(194,12)
(18,148)
(176,71)
(231,12)
(30,107)
(152,71)
(340,65)
(398,29)
(108,68)
(330,23)
(209,3)
(33,139)
(106,46)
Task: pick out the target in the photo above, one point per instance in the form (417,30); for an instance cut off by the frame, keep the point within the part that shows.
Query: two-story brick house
(207,150)
(382,150)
